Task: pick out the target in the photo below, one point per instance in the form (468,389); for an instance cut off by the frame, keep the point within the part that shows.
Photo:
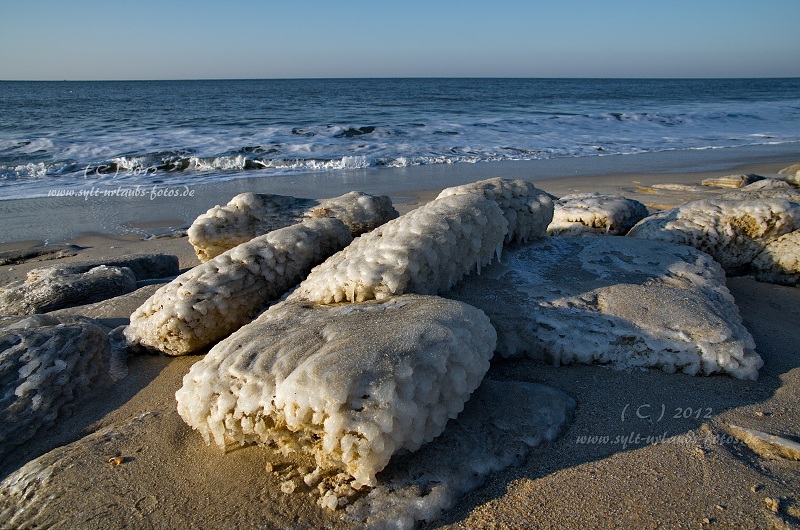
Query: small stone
(773,505)
(706,520)
(288,486)
(269,468)
(756,487)
(759,414)
(720,507)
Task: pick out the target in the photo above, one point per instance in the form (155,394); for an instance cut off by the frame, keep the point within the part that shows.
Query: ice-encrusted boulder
(424,251)
(527,209)
(779,262)
(732,231)
(792,172)
(769,191)
(46,363)
(619,301)
(249,215)
(731,181)
(349,384)
(500,423)
(50,288)
(216,298)
(585,214)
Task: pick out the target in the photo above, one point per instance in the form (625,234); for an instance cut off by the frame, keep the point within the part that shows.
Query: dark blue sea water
(176,132)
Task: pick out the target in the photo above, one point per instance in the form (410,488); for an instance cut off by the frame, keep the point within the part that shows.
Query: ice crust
(500,423)
(46,363)
(527,209)
(620,301)
(584,214)
(350,384)
(216,298)
(732,231)
(424,251)
(780,261)
(50,288)
(249,215)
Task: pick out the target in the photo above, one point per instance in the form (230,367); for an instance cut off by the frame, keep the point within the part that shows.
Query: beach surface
(646,449)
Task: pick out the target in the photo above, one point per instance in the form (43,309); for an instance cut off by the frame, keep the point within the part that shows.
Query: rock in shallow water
(349,384)
(584,214)
(620,301)
(249,215)
(214,299)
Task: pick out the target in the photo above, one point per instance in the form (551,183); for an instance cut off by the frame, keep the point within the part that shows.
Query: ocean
(65,135)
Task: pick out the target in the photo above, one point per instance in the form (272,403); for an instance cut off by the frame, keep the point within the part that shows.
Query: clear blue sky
(166,39)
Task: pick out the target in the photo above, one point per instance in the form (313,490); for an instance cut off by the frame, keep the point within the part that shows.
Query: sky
(167,39)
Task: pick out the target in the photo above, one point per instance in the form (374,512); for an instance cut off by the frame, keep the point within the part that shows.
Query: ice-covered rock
(732,231)
(770,191)
(619,301)
(143,266)
(424,251)
(584,214)
(792,173)
(50,288)
(779,262)
(216,298)
(46,363)
(527,209)
(249,215)
(349,384)
(500,423)
(731,181)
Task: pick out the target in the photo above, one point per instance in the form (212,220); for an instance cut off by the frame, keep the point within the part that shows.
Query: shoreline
(31,220)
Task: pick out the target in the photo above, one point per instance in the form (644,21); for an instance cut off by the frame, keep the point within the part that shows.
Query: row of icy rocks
(382,327)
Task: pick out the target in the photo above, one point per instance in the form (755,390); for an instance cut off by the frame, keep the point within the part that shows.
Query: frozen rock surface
(500,423)
(249,215)
(349,384)
(780,261)
(214,299)
(527,209)
(769,192)
(50,288)
(143,266)
(732,231)
(425,251)
(46,363)
(731,181)
(584,214)
(620,301)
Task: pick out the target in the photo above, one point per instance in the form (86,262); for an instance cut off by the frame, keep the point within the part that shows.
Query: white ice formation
(431,248)
(584,214)
(780,261)
(216,298)
(249,215)
(732,231)
(349,384)
(46,363)
(424,251)
(501,422)
(527,209)
(50,288)
(620,301)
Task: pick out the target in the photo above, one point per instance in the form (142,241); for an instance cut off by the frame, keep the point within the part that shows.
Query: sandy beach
(646,449)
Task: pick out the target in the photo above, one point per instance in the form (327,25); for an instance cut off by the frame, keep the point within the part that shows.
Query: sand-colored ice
(733,232)
(350,384)
(214,299)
